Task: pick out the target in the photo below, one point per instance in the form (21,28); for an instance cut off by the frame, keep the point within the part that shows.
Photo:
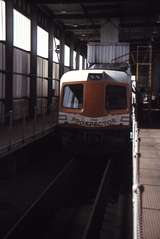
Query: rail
(96,216)
(137,189)
(63,192)
(49,200)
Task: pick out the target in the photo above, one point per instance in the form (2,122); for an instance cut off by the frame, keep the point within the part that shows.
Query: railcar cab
(98,96)
(115,97)
(95,108)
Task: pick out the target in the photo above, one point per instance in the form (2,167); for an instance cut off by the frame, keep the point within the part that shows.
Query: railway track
(28,226)
(108,217)
(81,202)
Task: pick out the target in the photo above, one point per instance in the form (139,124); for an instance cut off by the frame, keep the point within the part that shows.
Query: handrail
(137,188)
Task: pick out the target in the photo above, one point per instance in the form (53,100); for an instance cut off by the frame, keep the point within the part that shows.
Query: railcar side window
(73,96)
(116,97)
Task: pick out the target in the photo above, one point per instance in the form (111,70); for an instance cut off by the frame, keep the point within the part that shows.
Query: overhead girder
(84,18)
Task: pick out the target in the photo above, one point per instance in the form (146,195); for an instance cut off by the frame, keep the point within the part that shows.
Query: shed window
(73,96)
(116,97)
(22,31)
(2,21)
(66,55)
(56,49)
(80,62)
(74,59)
(42,42)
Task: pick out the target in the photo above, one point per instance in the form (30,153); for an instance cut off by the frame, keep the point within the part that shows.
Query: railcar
(94,110)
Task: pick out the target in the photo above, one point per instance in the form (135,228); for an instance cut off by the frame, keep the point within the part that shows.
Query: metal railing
(16,133)
(137,187)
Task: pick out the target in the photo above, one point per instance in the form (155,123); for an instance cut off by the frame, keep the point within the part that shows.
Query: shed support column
(83,63)
(9,57)
(50,66)
(71,54)
(33,62)
(77,60)
(61,60)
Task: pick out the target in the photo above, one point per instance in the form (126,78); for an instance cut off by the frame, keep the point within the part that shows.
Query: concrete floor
(150,178)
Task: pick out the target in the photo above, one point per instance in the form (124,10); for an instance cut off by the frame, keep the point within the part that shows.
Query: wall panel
(55,71)
(2,112)
(21,61)
(42,105)
(55,87)
(21,86)
(42,67)
(2,86)
(20,108)
(42,87)
(66,69)
(2,56)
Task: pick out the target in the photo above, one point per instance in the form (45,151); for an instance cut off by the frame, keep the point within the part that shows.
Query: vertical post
(33,62)
(77,60)
(150,83)
(9,57)
(150,69)
(71,54)
(137,73)
(83,63)
(50,65)
(10,127)
(61,60)
(24,124)
(35,121)
(43,119)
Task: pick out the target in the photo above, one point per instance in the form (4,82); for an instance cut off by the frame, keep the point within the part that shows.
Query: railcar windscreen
(116,97)
(95,76)
(73,96)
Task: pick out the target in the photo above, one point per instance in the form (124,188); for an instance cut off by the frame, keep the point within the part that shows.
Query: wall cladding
(42,74)
(2,56)
(66,68)
(2,86)
(54,105)
(2,81)
(1,112)
(42,67)
(20,108)
(42,87)
(55,71)
(21,86)
(21,69)
(55,87)
(21,61)
(42,105)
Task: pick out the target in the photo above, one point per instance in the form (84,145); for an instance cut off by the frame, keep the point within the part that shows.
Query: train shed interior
(40,41)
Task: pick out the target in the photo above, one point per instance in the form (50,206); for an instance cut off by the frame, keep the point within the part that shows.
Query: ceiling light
(158,19)
(63,12)
(155,32)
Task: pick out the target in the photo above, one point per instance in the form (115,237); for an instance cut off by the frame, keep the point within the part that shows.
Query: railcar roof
(82,75)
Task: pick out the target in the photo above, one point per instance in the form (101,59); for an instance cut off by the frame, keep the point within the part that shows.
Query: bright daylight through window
(22,31)
(2,21)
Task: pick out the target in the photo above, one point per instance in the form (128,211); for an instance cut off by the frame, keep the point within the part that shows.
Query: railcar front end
(94,111)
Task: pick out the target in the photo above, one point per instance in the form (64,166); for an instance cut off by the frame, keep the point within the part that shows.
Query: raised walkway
(19,133)
(150,178)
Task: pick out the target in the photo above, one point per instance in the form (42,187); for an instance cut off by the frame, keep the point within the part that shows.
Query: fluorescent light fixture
(63,12)
(158,19)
